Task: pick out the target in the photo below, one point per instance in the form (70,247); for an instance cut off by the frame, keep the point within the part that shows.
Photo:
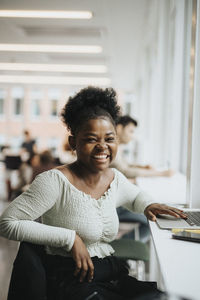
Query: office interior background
(148,50)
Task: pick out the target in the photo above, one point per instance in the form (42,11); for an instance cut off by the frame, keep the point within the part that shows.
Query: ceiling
(121,27)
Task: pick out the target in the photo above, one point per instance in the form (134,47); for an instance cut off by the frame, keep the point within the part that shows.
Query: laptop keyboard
(193,218)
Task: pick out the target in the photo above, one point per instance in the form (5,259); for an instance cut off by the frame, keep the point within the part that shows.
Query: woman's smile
(101,157)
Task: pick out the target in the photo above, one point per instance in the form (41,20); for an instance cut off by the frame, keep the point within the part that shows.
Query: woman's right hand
(84,264)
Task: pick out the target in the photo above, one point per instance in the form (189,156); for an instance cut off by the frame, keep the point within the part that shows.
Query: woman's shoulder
(122,181)
(54,174)
(65,172)
(52,180)
(118,174)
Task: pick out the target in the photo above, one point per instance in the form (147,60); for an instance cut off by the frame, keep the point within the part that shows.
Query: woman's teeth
(100,156)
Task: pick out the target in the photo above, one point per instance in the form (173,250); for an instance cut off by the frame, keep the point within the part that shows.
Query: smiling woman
(69,252)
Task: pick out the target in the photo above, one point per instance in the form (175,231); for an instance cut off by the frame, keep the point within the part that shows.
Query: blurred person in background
(125,132)
(28,170)
(44,162)
(28,146)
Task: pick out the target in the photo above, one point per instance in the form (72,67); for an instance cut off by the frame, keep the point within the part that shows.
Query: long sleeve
(131,196)
(17,222)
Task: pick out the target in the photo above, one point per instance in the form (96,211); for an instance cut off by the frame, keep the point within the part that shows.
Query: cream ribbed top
(66,210)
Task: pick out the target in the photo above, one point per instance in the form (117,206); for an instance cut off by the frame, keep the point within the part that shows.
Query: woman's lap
(34,270)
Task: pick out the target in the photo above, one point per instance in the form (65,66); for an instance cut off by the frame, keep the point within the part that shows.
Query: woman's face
(96,144)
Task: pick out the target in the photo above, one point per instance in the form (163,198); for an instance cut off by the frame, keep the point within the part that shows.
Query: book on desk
(190,235)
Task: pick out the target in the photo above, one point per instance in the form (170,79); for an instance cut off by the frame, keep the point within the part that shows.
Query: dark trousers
(38,276)
(28,278)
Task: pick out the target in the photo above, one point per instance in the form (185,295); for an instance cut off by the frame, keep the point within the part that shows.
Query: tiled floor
(8,248)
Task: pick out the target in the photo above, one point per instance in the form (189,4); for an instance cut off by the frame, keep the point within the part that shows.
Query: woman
(77,204)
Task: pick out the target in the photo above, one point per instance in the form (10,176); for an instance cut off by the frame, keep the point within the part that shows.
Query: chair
(140,228)
(132,250)
(12,162)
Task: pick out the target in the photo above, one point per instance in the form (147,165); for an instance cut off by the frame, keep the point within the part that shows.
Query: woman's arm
(17,222)
(130,196)
(134,199)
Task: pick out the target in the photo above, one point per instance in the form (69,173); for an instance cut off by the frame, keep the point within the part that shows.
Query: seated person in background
(125,130)
(77,204)
(24,177)
(28,170)
(42,162)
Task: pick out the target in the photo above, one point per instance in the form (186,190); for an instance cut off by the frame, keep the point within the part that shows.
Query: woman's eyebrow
(94,134)
(90,133)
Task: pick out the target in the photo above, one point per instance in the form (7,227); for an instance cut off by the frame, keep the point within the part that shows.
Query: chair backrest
(12,162)
(130,249)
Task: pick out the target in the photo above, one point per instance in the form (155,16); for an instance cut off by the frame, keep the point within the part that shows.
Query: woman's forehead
(100,123)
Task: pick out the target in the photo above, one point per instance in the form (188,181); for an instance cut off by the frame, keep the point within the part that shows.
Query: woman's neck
(83,173)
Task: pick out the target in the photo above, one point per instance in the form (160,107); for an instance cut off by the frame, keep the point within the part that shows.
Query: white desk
(179,263)
(174,264)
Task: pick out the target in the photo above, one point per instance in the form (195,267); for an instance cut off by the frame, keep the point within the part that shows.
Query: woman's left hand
(154,209)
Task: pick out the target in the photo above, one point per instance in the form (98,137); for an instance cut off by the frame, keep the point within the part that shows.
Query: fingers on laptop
(155,209)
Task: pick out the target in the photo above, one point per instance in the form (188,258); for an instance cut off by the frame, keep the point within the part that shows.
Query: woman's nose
(101,145)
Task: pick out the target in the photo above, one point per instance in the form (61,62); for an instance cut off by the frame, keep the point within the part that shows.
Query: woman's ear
(72,142)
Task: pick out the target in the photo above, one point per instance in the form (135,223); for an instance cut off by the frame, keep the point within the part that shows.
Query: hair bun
(90,102)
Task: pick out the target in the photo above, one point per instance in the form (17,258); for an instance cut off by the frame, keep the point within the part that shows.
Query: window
(54,96)
(18,99)
(2,102)
(35,107)
(18,106)
(36,97)
(54,107)
(193,174)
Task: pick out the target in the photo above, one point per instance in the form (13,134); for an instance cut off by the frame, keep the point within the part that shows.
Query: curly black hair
(90,103)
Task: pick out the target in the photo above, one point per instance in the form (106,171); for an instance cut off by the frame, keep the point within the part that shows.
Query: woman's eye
(110,139)
(91,140)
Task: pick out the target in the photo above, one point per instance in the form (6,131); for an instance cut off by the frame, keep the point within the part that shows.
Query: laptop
(169,222)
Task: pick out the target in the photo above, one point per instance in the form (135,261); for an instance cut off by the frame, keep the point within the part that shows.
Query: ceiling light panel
(51,48)
(57,80)
(49,14)
(53,68)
